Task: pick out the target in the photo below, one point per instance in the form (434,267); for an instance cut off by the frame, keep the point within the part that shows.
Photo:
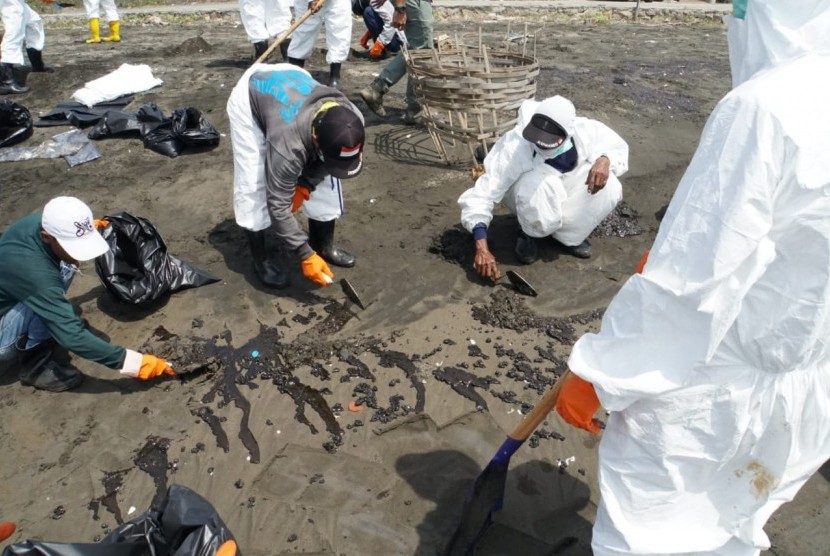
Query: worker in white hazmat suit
(23,27)
(556,172)
(264,20)
(293,140)
(714,361)
(337,17)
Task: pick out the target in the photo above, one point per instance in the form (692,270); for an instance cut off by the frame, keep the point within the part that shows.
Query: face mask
(566,145)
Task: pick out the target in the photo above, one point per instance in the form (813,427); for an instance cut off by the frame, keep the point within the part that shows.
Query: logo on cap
(83,227)
(350,151)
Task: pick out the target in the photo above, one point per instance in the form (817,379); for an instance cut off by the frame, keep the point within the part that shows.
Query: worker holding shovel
(714,362)
(293,140)
(39,255)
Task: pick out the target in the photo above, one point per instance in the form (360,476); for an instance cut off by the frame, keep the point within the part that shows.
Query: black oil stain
(152,459)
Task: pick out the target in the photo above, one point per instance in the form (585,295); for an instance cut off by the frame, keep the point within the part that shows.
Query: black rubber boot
(321,239)
(36,58)
(10,82)
(581,251)
(527,251)
(39,368)
(284,49)
(259,49)
(266,270)
(334,76)
(296,61)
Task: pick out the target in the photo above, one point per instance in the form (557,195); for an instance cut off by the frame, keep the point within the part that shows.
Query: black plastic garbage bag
(193,129)
(116,124)
(15,123)
(157,131)
(79,115)
(137,268)
(184,525)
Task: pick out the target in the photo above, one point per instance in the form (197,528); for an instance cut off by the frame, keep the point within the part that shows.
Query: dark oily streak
(206,414)
(391,359)
(152,459)
(112,484)
(464,382)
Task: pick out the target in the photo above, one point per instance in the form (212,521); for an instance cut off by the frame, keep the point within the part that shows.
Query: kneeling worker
(39,255)
(556,172)
(293,140)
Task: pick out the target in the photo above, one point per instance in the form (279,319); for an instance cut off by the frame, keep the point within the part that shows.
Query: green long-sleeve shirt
(31,275)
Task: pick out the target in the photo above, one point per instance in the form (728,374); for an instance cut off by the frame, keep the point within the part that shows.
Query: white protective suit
(22,27)
(93,9)
(545,201)
(249,161)
(337,15)
(715,361)
(265,19)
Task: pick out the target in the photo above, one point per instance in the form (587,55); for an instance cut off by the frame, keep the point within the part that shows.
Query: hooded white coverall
(264,19)
(337,16)
(715,361)
(544,200)
(23,26)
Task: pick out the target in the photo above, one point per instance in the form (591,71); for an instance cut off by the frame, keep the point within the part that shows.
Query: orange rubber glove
(301,195)
(643,260)
(377,50)
(228,548)
(577,404)
(316,270)
(152,366)
(6,530)
(364,40)
(99,224)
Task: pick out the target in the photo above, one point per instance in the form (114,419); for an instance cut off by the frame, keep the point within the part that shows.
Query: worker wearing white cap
(715,360)
(39,255)
(556,172)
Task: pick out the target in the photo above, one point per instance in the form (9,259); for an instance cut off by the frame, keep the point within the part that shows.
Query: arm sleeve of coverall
(602,140)
(510,157)
(281,174)
(712,247)
(68,331)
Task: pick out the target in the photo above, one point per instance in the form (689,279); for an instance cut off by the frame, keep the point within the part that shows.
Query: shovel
(487,494)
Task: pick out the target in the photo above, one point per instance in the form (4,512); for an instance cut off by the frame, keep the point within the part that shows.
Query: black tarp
(79,115)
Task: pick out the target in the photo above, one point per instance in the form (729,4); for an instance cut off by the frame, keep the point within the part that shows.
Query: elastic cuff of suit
(480,232)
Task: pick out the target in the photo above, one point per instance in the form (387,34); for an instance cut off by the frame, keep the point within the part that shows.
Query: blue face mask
(547,154)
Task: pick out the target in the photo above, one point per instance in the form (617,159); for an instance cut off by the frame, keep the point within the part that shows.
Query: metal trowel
(351,293)
(349,290)
(522,286)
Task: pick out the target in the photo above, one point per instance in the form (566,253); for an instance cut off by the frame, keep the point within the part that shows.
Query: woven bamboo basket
(470,94)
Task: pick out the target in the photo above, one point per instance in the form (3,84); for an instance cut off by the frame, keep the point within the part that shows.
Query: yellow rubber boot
(115,32)
(94,30)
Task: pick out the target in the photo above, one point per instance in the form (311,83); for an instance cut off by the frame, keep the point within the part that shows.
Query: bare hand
(315,5)
(484,261)
(399,20)
(598,176)
(377,3)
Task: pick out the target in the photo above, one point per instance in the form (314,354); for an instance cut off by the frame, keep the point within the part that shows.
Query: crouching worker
(293,140)
(39,255)
(377,15)
(556,172)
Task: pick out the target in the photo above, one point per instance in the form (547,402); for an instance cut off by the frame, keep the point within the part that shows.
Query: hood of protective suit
(765,33)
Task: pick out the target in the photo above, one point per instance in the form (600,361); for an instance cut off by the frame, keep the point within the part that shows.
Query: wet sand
(441,364)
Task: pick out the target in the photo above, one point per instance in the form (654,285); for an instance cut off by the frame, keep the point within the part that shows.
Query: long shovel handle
(538,413)
(286,34)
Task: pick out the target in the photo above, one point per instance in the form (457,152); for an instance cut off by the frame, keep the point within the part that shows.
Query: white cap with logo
(70,222)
